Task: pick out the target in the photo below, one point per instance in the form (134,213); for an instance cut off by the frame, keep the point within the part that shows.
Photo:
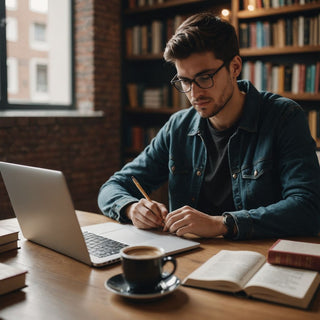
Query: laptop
(44,209)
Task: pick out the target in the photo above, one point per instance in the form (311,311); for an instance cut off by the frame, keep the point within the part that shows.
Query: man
(239,163)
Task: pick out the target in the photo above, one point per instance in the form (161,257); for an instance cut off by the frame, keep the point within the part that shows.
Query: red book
(297,254)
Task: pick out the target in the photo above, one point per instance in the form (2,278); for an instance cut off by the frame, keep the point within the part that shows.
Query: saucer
(118,285)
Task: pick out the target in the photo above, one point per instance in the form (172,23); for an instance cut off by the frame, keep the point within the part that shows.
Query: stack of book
(8,240)
(11,278)
(141,96)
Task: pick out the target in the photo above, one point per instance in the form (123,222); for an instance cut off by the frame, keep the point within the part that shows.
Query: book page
(298,247)
(289,281)
(233,266)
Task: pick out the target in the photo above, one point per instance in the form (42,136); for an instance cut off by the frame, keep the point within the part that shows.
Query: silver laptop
(42,204)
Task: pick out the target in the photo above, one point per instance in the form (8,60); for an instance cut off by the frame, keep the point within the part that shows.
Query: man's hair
(200,33)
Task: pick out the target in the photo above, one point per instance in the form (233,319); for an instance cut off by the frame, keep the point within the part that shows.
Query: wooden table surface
(62,288)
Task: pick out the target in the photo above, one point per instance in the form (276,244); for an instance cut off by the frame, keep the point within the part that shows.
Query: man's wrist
(230,225)
(127,212)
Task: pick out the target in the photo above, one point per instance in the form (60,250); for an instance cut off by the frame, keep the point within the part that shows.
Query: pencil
(135,181)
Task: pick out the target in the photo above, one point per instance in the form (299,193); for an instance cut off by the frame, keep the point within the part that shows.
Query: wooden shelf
(251,52)
(143,57)
(165,5)
(257,13)
(164,110)
(301,96)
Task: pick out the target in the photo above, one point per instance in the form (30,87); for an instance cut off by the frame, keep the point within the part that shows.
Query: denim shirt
(273,165)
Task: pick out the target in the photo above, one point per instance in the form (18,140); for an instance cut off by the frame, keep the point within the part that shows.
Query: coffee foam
(142,252)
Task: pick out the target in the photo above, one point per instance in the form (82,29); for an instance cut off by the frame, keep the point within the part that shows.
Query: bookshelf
(148,98)
(280,46)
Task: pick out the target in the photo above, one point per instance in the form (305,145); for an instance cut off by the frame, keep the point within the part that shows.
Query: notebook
(44,209)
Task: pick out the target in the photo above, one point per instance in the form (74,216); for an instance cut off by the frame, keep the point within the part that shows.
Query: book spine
(294,260)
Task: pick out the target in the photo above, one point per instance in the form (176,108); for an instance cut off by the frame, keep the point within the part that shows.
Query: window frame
(5,105)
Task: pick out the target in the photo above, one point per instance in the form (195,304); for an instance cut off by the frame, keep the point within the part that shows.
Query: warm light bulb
(225,12)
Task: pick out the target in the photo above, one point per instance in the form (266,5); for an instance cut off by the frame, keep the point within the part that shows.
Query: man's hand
(188,220)
(147,214)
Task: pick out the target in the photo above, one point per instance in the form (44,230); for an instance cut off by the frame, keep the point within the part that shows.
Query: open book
(248,271)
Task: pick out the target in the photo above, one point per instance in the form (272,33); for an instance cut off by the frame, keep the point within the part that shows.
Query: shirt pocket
(254,172)
(180,175)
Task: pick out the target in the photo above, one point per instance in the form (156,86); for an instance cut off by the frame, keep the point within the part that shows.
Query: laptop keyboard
(101,246)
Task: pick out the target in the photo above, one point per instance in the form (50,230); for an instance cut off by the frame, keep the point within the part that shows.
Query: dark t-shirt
(216,191)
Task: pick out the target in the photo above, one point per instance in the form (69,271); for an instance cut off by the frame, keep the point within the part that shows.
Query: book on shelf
(266,4)
(132,4)
(137,137)
(293,31)
(248,273)
(297,254)
(142,96)
(11,278)
(278,78)
(150,38)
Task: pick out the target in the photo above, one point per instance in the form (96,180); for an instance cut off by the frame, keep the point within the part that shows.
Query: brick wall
(85,148)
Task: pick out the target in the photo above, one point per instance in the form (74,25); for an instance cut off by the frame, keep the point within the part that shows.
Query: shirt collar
(251,108)
(250,115)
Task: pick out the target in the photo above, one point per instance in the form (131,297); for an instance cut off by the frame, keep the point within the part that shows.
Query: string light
(225,13)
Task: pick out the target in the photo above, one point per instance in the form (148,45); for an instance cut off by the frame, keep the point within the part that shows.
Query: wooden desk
(62,288)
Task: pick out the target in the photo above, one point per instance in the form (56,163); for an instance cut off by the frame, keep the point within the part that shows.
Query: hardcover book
(11,278)
(295,254)
(7,236)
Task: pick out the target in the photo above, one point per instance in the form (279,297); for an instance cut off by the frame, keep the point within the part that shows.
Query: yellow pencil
(135,181)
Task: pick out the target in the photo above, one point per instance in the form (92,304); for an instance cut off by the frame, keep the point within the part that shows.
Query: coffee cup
(143,267)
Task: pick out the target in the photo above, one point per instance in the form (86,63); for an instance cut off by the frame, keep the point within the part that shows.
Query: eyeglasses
(203,81)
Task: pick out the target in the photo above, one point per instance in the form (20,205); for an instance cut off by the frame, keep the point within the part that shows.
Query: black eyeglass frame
(211,75)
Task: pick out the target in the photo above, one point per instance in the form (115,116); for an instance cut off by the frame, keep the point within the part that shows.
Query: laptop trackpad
(127,234)
(130,236)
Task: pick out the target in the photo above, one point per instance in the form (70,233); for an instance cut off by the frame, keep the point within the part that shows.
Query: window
(36,54)
(38,6)
(39,89)
(42,78)
(11,4)
(38,36)
(12,29)
(39,32)
(12,74)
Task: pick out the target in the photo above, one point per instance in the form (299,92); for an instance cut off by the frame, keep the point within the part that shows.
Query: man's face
(212,101)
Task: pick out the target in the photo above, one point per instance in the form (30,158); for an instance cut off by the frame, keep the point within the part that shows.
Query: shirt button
(234,176)
(255,173)
(198,173)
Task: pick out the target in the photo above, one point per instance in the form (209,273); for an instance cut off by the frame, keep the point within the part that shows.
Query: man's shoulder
(184,120)
(266,98)
(278,104)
